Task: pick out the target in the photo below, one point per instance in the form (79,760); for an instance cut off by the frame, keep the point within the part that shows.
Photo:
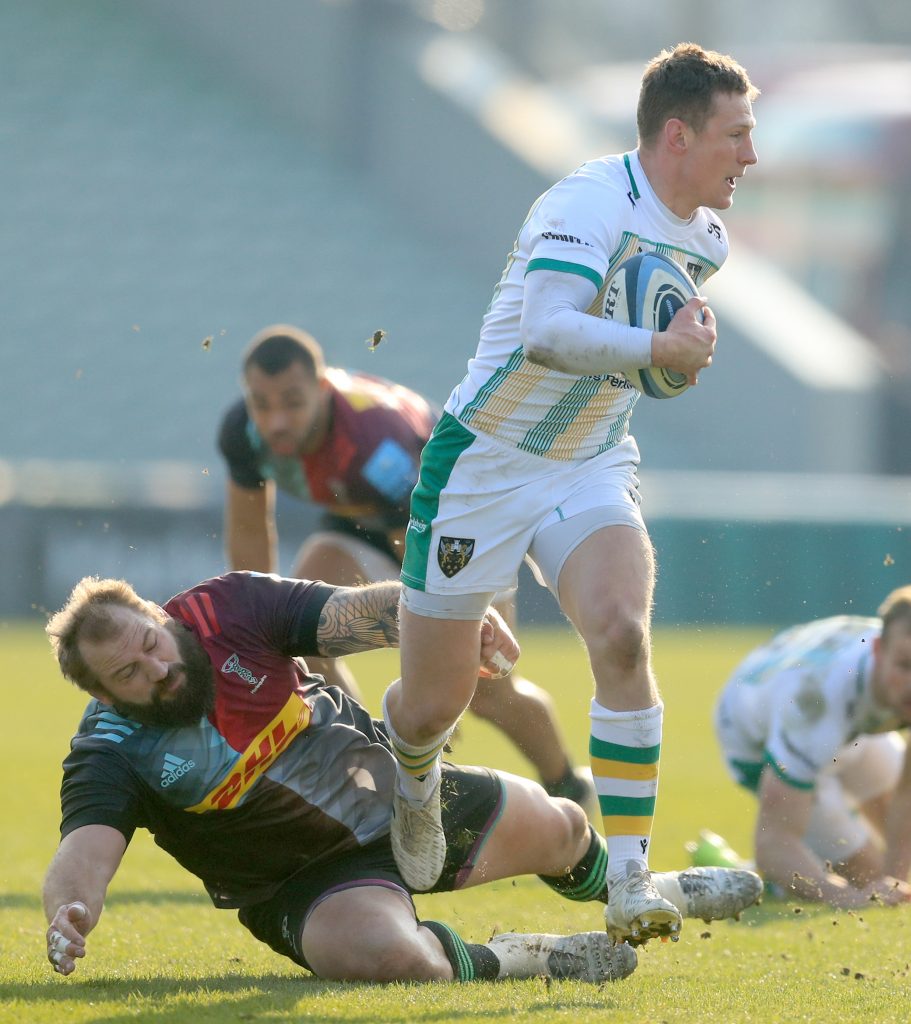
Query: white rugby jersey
(586,224)
(795,701)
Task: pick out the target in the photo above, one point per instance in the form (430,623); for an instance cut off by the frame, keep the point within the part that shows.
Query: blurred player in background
(351,444)
(533,456)
(276,791)
(807,723)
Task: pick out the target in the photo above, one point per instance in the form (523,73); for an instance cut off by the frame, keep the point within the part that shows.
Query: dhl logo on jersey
(293,718)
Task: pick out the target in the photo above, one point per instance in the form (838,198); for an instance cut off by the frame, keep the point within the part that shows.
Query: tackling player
(206,728)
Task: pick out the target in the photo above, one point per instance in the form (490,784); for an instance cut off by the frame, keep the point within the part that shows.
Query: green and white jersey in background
(794,702)
(586,224)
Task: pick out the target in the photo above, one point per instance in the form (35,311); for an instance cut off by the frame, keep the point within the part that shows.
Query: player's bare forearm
(251,541)
(499,648)
(783,857)
(897,859)
(75,888)
(252,552)
(787,861)
(64,886)
(356,619)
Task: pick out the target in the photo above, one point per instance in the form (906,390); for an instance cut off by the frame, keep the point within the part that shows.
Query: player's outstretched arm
(499,648)
(784,858)
(356,619)
(897,858)
(251,541)
(74,890)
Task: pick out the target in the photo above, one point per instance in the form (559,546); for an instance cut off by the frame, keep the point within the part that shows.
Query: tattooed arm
(358,619)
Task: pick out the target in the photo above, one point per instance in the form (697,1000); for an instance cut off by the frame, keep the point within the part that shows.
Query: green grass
(162,953)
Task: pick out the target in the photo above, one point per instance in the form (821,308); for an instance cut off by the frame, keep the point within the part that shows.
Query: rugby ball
(646,291)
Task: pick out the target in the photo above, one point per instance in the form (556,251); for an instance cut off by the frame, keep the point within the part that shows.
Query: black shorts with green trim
(472,800)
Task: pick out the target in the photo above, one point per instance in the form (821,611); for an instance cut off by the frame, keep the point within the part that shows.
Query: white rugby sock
(418,765)
(625,750)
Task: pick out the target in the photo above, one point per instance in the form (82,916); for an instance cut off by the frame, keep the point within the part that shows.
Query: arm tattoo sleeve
(358,619)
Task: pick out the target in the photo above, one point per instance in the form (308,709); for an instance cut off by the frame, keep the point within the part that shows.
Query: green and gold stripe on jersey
(574,409)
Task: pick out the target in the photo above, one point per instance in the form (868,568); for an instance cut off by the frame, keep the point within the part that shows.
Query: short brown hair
(896,609)
(683,83)
(87,616)
(275,348)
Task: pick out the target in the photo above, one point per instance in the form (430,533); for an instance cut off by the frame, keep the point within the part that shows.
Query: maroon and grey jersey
(368,465)
(283,774)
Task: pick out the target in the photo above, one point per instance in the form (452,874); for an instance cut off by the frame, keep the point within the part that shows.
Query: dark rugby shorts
(378,539)
(472,800)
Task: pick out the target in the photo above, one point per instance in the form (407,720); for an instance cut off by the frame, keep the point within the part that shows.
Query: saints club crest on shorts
(454,553)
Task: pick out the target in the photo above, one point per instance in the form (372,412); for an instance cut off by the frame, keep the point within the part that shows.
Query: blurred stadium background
(179,173)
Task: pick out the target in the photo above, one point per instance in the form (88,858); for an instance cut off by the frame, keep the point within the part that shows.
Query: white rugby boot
(712,893)
(588,956)
(418,840)
(636,911)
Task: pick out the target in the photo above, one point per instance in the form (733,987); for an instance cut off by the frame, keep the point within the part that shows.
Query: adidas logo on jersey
(173,768)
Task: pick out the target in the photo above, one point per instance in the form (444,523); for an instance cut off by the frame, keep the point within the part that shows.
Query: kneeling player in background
(807,722)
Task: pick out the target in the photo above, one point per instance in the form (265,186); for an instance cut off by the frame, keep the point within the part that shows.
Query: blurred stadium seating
(187,171)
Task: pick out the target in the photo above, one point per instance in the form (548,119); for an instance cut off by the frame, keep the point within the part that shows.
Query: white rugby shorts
(480,507)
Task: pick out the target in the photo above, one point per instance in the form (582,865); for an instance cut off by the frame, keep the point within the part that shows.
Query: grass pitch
(163,953)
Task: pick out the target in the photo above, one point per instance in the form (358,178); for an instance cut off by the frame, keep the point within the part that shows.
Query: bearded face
(194,697)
